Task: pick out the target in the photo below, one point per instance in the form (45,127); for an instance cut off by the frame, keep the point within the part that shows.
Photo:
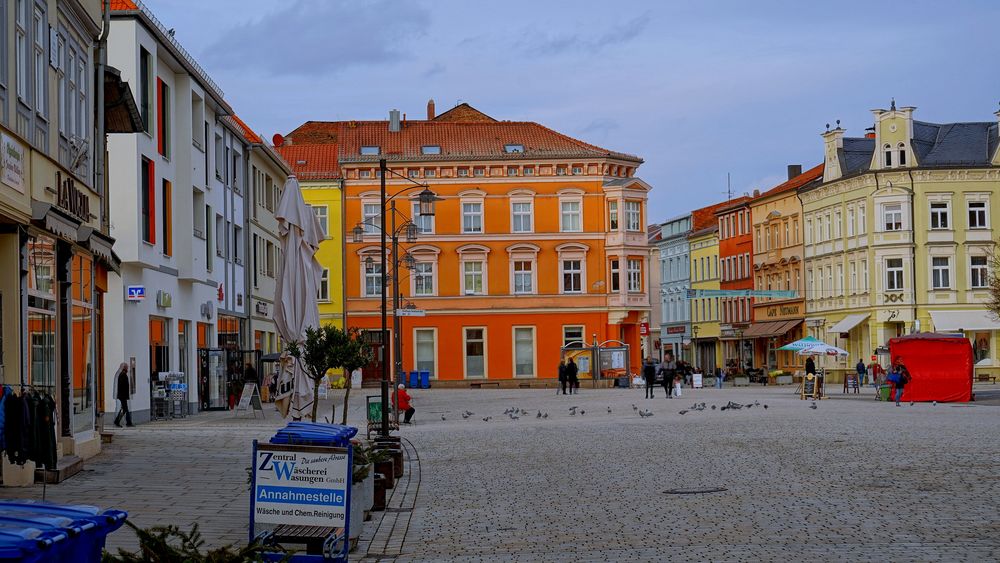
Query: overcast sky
(697,89)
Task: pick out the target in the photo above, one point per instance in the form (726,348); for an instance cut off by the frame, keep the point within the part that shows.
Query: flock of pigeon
(515,413)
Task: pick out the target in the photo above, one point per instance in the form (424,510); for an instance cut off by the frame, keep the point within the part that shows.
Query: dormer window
(560,170)
(902,154)
(413,172)
(513,148)
(430,149)
(512,170)
(577,170)
(888,155)
(369,150)
(478,171)
(529,170)
(463,172)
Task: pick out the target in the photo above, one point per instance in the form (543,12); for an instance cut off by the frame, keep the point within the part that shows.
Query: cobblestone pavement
(853,479)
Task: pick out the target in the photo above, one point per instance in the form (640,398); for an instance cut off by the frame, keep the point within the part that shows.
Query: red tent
(940,366)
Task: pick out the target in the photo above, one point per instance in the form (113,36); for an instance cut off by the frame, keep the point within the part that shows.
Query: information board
(809,386)
(250,397)
(301,486)
(696,380)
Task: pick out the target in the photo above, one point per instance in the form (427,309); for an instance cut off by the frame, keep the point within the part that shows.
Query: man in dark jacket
(123,396)
(668,369)
(649,375)
(810,366)
(571,371)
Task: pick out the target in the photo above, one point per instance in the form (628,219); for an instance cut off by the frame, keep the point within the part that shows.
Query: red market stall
(940,366)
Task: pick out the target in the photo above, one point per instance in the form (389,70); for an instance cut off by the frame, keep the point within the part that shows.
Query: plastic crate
(58,532)
(315,434)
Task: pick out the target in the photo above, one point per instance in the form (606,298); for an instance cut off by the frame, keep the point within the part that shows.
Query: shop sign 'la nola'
(72,199)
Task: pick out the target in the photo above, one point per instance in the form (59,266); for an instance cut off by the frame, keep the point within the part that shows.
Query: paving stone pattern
(854,479)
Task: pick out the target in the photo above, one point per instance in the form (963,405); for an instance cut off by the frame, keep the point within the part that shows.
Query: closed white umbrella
(295,306)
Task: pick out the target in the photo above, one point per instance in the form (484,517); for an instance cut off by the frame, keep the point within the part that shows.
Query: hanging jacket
(5,393)
(45,432)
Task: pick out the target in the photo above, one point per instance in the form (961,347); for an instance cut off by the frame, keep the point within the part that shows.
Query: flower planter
(395,450)
(386,468)
(378,499)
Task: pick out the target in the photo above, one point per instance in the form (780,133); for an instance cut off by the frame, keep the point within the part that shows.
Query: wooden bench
(318,540)
(984,377)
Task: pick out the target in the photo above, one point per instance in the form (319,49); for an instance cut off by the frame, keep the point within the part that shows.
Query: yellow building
(705,332)
(315,166)
(898,235)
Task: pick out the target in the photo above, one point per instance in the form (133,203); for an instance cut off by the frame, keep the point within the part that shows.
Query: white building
(177,212)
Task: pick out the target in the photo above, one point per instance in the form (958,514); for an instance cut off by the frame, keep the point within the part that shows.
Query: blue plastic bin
(59,532)
(425,380)
(414,380)
(315,434)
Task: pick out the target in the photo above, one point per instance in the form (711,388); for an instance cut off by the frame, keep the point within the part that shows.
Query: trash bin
(414,380)
(58,532)
(425,380)
(883,392)
(315,434)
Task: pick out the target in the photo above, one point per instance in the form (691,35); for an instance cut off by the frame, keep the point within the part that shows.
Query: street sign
(410,313)
(135,293)
(643,329)
(775,294)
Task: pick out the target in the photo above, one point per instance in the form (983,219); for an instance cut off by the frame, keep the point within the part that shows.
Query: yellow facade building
(705,330)
(898,236)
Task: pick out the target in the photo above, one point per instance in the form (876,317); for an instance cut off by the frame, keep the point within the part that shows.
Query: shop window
(524,351)
(475,352)
(981,346)
(425,350)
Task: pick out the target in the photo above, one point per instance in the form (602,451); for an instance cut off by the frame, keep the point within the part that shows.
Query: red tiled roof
(796,182)
(311,162)
(122,5)
(461,133)
(245,129)
(705,217)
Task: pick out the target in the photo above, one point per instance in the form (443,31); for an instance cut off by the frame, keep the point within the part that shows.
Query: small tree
(326,348)
(352,354)
(993,278)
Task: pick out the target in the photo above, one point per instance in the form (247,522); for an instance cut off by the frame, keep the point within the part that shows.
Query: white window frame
(901,154)
(634,275)
(894,280)
(515,214)
(982,271)
(633,215)
(534,350)
(583,334)
(984,212)
(892,211)
(417,276)
(472,213)
(322,214)
(21,47)
(809,231)
(521,276)
(563,272)
(468,270)
(850,221)
(573,251)
(40,60)
(373,273)
(862,220)
(323,293)
(940,215)
(563,213)
(424,223)
(371,222)
(887,155)
(434,346)
(941,274)
(614,220)
(615,273)
(486,353)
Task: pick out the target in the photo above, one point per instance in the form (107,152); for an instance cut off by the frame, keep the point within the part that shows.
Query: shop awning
(101,246)
(946,321)
(55,220)
(770,328)
(848,322)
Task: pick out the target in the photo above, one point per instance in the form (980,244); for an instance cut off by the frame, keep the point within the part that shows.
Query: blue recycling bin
(43,531)
(425,380)
(315,434)
(414,380)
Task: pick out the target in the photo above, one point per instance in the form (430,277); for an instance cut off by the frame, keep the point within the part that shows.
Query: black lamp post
(410,231)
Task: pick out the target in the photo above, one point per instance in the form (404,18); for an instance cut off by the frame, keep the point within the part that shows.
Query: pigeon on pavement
(465,415)
(713,407)
(609,410)
(443,418)
(765,407)
(812,406)
(539,415)
(487,418)
(683,412)
(582,412)
(546,415)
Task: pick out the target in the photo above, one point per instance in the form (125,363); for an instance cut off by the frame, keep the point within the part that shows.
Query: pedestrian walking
(649,375)
(862,371)
(571,371)
(899,377)
(668,369)
(123,395)
(563,378)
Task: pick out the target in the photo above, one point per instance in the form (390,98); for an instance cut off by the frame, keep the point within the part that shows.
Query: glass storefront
(41,313)
(212,378)
(83,344)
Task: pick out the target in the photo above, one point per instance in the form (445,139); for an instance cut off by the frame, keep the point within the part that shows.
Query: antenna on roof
(729,188)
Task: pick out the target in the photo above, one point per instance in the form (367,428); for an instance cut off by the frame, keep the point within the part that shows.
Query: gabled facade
(777,266)
(703,241)
(898,235)
(735,273)
(675,280)
(538,240)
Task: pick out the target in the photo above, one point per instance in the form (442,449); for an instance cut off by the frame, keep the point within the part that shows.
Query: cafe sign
(785,310)
(71,199)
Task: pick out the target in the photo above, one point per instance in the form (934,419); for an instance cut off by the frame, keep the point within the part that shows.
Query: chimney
(394,121)
(756,193)
(430,109)
(794,170)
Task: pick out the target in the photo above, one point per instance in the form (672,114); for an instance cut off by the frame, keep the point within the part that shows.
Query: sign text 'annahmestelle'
(302,488)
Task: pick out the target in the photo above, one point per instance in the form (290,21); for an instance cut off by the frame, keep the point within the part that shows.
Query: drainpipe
(247,227)
(100,142)
(913,248)
(343,254)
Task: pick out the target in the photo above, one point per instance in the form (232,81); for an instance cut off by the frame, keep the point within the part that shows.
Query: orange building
(538,240)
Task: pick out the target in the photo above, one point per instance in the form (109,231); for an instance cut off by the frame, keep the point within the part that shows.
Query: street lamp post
(694,349)
(426,202)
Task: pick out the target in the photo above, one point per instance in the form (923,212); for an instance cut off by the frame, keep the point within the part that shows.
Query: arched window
(888,155)
(902,154)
